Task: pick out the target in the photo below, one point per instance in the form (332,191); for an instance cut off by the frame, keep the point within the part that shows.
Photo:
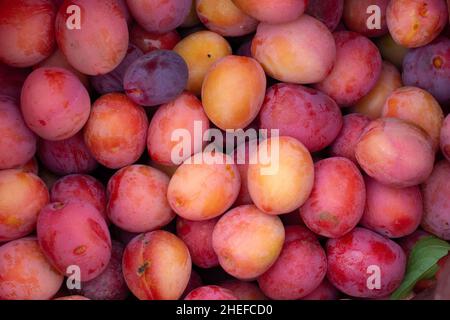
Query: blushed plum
(100,42)
(233,92)
(285,52)
(436,219)
(11,80)
(110,284)
(395,152)
(17,143)
(418,107)
(391,50)
(148,41)
(327,11)
(303,113)
(31,166)
(351,257)
(280,175)
(200,50)
(298,232)
(225,18)
(159,16)
(113,81)
(25,272)
(428,68)
(137,199)
(80,187)
(415,23)
(157,266)
(358,17)
(337,200)
(197,235)
(74,233)
(183,113)
(392,212)
(372,103)
(300,269)
(27,27)
(67,156)
(116,131)
(54,103)
(445,138)
(345,143)
(22,196)
(211,293)
(356,71)
(247,241)
(273,11)
(156,78)
(325,291)
(241,156)
(243,290)
(210,171)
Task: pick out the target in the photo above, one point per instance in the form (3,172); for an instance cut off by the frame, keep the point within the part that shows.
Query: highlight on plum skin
(329,11)
(303,113)
(149,41)
(356,58)
(233,92)
(18,142)
(116,132)
(247,241)
(184,113)
(74,233)
(395,152)
(213,171)
(100,42)
(197,235)
(23,45)
(350,275)
(392,212)
(69,156)
(337,200)
(211,293)
(225,18)
(26,273)
(157,266)
(137,199)
(66,106)
(280,175)
(272,11)
(22,196)
(285,54)
(436,219)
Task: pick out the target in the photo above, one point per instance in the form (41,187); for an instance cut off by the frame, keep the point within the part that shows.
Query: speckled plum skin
(18,142)
(345,143)
(336,203)
(68,156)
(74,233)
(54,103)
(19,22)
(186,188)
(25,273)
(350,256)
(137,199)
(272,11)
(211,293)
(300,268)
(392,212)
(197,235)
(181,113)
(395,152)
(356,58)
(303,113)
(157,266)
(285,54)
(22,196)
(436,219)
(247,241)
(102,40)
(80,187)
(116,131)
(445,138)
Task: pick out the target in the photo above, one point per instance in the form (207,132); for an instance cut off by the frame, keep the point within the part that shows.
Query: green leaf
(422,264)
